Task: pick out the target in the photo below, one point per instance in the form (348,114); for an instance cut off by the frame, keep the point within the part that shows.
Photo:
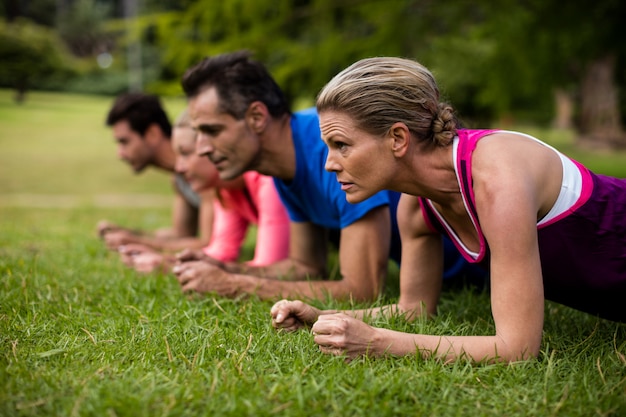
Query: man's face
(131,146)
(226,141)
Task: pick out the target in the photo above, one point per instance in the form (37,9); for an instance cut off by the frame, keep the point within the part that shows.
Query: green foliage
(305,43)
(41,12)
(30,56)
(494,60)
(81,27)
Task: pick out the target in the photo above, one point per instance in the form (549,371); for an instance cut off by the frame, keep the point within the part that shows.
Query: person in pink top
(545,226)
(250,199)
(256,201)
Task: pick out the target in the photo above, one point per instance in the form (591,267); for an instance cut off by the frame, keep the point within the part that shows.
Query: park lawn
(57,144)
(82,335)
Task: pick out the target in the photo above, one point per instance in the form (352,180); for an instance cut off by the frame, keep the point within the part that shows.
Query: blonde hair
(378,92)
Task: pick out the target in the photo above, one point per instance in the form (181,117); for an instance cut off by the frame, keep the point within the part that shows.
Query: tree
(304,42)
(501,60)
(80,25)
(30,55)
(579,51)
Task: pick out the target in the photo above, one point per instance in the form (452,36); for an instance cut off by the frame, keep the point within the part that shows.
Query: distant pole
(133,52)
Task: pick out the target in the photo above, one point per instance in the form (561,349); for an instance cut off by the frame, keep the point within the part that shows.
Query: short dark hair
(140,110)
(239,81)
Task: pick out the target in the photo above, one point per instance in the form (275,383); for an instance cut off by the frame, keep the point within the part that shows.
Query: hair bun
(444,125)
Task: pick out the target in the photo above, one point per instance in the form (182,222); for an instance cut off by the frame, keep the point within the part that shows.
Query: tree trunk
(600,124)
(564,110)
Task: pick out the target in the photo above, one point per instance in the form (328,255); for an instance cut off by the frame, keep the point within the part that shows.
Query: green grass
(81,335)
(59,144)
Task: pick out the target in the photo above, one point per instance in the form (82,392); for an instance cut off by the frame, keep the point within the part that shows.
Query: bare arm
(516,293)
(363,258)
(184,218)
(420,275)
(308,246)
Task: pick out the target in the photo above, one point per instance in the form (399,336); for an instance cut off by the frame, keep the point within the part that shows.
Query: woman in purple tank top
(544,226)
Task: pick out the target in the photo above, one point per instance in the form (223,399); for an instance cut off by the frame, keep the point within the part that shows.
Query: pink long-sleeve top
(257,203)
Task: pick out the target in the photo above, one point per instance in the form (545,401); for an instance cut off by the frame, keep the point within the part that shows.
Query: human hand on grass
(341,334)
(203,277)
(130,251)
(292,315)
(187,255)
(142,258)
(150,262)
(104,226)
(118,237)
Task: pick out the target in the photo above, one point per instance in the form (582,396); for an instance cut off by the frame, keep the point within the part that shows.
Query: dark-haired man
(142,132)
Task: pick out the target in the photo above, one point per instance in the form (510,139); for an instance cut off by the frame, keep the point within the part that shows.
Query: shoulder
(510,156)
(509,145)
(514,177)
(411,221)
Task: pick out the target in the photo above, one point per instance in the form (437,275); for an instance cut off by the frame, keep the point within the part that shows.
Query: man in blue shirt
(244,123)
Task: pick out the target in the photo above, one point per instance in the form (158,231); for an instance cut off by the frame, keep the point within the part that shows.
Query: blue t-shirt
(315,196)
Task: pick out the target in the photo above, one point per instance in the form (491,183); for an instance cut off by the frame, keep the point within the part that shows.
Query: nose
(331,165)
(203,144)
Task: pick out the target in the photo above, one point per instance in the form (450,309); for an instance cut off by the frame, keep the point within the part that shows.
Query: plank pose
(545,226)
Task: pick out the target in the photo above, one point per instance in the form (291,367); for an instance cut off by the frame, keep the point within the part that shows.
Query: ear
(399,139)
(154,135)
(257,117)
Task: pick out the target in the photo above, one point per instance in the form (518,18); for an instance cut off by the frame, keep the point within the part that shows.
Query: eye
(209,130)
(341,145)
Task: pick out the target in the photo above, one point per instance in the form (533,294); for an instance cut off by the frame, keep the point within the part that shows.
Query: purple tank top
(583,251)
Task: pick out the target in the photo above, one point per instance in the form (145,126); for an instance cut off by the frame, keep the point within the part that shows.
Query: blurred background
(501,62)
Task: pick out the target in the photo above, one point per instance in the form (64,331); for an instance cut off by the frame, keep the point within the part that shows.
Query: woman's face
(360,160)
(198,170)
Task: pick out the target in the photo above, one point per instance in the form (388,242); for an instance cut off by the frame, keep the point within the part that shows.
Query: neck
(164,157)
(234,184)
(429,173)
(278,154)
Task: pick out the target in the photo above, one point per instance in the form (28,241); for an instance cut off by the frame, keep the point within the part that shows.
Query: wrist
(380,344)
(233,267)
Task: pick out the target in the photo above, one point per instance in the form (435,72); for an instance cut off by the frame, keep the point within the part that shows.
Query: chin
(229,174)
(354,198)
